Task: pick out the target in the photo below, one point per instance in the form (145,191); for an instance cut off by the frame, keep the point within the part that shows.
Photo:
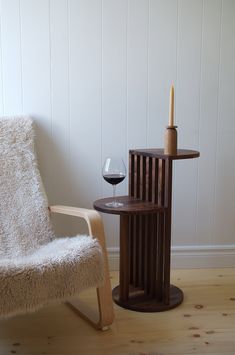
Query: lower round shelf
(140,302)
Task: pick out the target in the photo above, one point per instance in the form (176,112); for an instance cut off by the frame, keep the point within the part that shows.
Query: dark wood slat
(131,217)
(159,271)
(147,251)
(135,187)
(137,176)
(153,256)
(137,236)
(161,181)
(131,174)
(124,258)
(140,254)
(144,255)
(131,231)
(134,251)
(142,178)
(149,179)
(167,233)
(155,180)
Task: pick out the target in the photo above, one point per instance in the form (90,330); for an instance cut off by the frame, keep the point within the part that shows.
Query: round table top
(131,205)
(159,153)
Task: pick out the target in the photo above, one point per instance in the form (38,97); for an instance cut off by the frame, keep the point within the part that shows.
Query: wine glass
(114,172)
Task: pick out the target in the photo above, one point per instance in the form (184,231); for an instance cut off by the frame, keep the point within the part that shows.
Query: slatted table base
(144,265)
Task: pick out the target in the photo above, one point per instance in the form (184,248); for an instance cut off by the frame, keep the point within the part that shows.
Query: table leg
(167,231)
(124,259)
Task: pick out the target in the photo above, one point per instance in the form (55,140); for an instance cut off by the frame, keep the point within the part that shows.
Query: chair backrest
(24,216)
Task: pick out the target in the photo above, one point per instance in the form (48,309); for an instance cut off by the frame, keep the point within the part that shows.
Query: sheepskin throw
(35,267)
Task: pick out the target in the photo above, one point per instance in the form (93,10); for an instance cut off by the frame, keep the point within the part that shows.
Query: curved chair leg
(104,294)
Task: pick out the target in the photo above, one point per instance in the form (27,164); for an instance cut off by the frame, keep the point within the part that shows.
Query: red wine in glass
(114,179)
(114,172)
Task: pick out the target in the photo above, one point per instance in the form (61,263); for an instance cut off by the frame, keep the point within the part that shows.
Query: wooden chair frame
(104,294)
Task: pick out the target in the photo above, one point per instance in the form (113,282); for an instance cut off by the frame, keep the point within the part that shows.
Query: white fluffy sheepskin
(35,267)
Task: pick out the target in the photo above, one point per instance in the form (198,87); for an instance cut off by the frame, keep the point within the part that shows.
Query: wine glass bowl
(114,172)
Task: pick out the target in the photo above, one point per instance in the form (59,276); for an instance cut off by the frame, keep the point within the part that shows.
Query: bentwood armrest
(92,217)
(96,230)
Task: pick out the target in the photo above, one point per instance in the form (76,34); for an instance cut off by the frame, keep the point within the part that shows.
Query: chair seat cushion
(57,271)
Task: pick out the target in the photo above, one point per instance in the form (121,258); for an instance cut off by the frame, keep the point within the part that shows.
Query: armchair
(36,267)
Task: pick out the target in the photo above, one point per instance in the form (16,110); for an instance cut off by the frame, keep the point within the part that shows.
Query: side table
(145,232)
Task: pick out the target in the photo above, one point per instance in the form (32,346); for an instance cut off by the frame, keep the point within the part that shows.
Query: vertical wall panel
(61,192)
(59,39)
(1,64)
(36,78)
(114,85)
(188,114)
(225,173)
(208,120)
(85,101)
(162,66)
(137,73)
(189,71)
(11,57)
(114,78)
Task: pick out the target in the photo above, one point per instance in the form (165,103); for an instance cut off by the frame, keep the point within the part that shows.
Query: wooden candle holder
(170,146)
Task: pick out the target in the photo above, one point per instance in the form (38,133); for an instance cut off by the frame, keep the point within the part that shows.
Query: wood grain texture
(203,324)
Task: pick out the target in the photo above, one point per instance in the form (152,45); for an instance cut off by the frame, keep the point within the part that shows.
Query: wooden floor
(203,324)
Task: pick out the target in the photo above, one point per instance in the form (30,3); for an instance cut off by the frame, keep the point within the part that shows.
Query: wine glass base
(114,204)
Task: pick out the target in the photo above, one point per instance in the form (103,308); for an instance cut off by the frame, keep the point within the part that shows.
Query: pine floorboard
(203,324)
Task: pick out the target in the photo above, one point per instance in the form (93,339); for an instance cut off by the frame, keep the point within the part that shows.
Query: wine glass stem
(114,193)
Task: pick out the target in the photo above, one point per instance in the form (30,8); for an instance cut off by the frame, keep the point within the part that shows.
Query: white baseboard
(189,257)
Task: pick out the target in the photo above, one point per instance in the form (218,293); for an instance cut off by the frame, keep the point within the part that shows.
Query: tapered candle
(171,108)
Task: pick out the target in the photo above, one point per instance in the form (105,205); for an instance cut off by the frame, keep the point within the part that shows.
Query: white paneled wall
(95,75)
